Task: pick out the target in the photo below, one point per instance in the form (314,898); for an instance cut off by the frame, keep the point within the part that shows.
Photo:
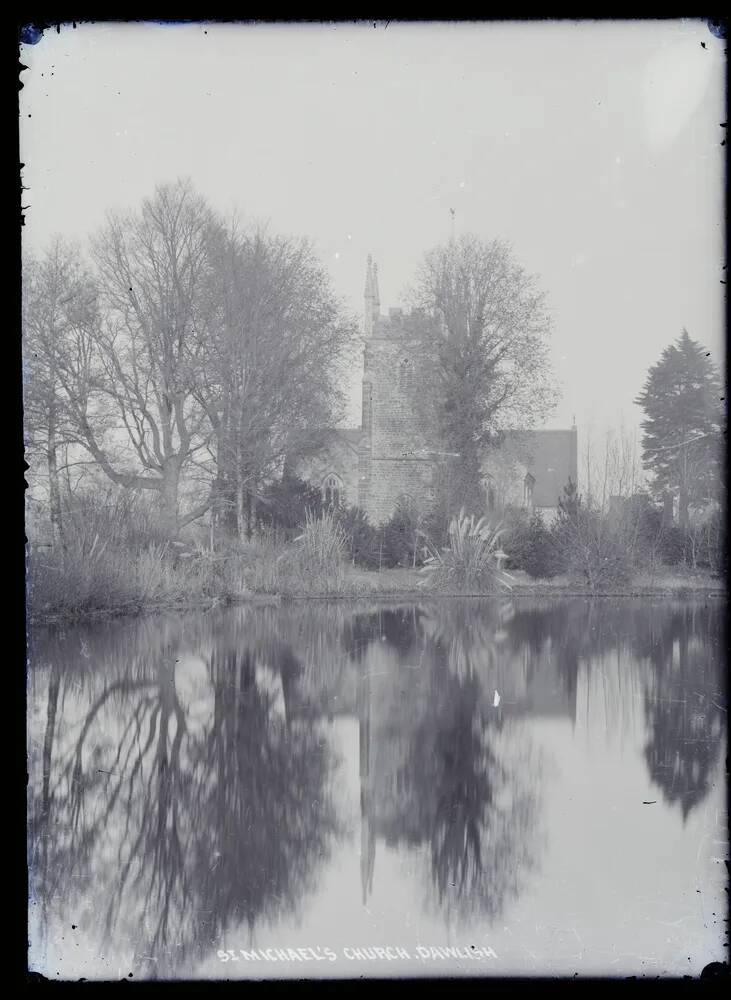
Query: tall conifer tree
(681,444)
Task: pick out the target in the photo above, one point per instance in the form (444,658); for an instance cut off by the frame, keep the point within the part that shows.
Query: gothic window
(332,490)
(363,471)
(406,504)
(404,374)
(528,484)
(490,488)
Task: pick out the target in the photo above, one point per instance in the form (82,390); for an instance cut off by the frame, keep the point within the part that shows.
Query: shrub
(642,524)
(592,548)
(362,538)
(118,516)
(472,561)
(116,557)
(402,538)
(260,565)
(94,576)
(607,563)
(530,546)
(635,526)
(435,527)
(712,543)
(590,544)
(285,503)
(705,543)
(672,545)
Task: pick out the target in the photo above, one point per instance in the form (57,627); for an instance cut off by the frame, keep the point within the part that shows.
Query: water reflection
(434,768)
(177,814)
(685,711)
(187,779)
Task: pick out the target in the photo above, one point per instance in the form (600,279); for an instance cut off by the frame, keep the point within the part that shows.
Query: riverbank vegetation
(117,559)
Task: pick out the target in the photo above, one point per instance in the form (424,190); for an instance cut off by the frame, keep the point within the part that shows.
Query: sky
(593,147)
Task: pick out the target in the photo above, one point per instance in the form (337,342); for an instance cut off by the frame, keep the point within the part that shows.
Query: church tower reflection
(367,831)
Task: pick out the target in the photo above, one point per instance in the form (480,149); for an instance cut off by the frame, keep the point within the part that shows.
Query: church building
(387,461)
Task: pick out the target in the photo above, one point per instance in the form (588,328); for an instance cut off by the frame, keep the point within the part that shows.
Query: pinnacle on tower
(372,300)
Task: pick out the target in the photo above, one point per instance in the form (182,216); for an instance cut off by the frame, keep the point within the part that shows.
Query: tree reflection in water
(480,845)
(263,801)
(685,704)
(182,771)
(440,773)
(176,833)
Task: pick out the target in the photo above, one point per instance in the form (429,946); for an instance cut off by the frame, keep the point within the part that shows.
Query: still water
(454,788)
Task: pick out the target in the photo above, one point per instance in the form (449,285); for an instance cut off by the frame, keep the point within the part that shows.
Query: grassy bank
(116,561)
(122,582)
(98,579)
(671,582)
(412,583)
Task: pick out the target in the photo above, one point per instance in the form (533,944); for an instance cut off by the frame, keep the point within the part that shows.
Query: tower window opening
(332,491)
(405,374)
(528,484)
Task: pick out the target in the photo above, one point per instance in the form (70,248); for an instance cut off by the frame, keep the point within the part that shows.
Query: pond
(461,787)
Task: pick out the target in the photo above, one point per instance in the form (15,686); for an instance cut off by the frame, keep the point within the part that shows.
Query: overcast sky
(594,148)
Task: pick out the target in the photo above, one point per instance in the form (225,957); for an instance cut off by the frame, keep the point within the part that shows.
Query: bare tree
(483,348)
(612,467)
(131,373)
(275,336)
(58,298)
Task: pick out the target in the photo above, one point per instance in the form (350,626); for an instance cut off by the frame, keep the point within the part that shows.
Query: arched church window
(406,504)
(332,490)
(528,484)
(404,374)
(490,491)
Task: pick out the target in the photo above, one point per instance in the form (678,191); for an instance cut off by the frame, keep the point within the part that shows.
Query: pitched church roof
(349,436)
(550,457)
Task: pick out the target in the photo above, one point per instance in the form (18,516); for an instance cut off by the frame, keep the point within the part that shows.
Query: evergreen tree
(568,504)
(681,399)
(285,501)
(363,539)
(533,550)
(401,537)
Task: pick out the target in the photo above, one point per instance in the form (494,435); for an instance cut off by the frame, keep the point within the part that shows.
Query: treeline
(185,358)
(633,537)
(191,359)
(598,547)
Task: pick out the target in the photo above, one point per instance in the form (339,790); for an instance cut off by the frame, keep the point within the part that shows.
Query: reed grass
(472,560)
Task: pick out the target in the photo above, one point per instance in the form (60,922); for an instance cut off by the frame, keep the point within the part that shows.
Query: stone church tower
(394,462)
(387,459)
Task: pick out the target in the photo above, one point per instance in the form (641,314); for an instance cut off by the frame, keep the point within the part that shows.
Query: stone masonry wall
(398,463)
(393,478)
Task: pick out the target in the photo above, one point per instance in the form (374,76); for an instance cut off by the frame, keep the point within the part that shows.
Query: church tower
(393,464)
